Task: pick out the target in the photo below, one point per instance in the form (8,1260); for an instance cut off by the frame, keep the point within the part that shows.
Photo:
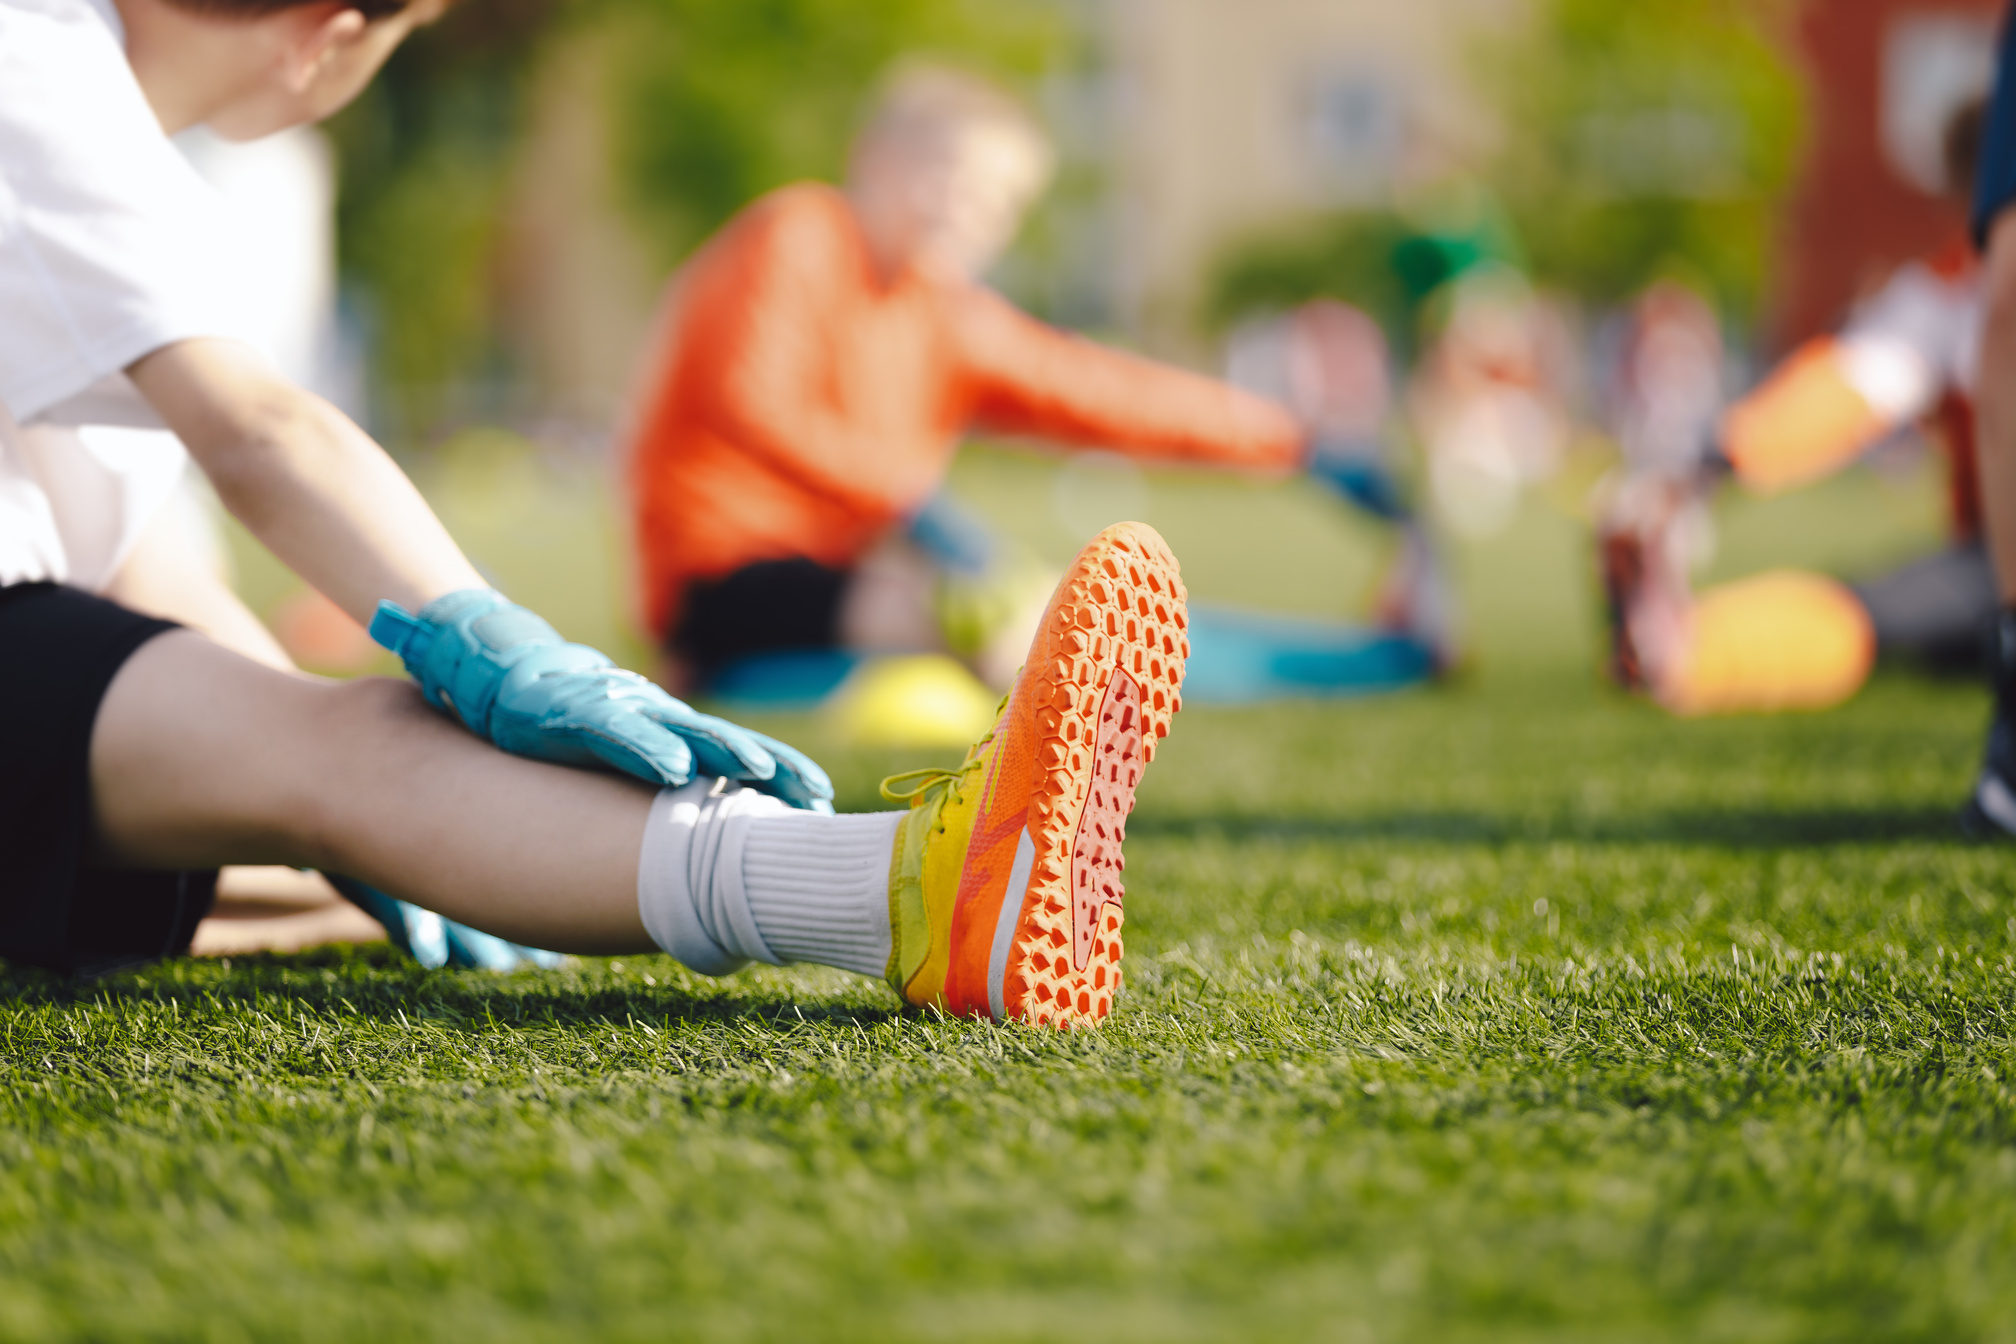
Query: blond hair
(920,99)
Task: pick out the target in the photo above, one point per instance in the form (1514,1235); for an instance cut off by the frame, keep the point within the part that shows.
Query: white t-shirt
(111,246)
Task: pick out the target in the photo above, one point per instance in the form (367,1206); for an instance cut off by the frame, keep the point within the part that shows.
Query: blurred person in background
(1329,363)
(1489,401)
(1907,356)
(821,356)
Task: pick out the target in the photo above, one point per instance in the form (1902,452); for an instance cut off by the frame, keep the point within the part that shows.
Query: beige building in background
(1231,116)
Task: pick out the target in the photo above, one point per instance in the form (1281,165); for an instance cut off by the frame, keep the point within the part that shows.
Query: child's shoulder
(57,54)
(802,208)
(805,222)
(38,29)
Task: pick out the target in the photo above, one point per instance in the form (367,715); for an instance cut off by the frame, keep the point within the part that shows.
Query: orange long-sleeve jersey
(801,403)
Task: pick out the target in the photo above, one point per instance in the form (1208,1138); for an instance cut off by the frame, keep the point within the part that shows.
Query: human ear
(327,29)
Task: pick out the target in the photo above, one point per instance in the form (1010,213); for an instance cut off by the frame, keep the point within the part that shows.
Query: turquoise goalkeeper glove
(511,678)
(435,942)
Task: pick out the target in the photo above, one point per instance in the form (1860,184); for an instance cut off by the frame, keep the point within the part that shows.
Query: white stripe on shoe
(1004,925)
(1995,800)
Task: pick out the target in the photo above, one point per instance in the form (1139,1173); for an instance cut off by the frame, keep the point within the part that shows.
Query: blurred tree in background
(1648,137)
(1387,262)
(424,159)
(1635,140)
(709,103)
(714,102)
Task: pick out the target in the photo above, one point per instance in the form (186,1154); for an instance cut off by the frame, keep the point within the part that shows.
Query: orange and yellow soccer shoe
(1004,889)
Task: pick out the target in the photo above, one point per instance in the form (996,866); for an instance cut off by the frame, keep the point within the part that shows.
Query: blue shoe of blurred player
(1417,601)
(435,942)
(1247,657)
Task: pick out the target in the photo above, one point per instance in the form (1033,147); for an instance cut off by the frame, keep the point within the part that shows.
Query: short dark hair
(372,10)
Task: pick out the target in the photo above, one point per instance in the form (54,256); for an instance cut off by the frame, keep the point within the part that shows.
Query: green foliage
(1648,137)
(1349,258)
(425,155)
(714,102)
(1384,262)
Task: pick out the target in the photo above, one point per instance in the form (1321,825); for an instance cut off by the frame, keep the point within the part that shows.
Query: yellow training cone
(926,700)
(1782,640)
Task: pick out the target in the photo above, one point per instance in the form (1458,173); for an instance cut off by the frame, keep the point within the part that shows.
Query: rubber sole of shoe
(1118,638)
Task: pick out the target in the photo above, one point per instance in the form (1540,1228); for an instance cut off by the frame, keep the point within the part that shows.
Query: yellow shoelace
(931,776)
(927,779)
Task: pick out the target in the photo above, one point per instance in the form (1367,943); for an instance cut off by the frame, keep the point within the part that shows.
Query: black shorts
(773,606)
(59,650)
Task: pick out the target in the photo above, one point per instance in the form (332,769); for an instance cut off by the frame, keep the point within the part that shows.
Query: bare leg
(201,757)
(175,573)
(274,909)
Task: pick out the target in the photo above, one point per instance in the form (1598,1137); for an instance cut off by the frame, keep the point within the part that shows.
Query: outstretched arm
(1836,396)
(330,503)
(303,478)
(1029,378)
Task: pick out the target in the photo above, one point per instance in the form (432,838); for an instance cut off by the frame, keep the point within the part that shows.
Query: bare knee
(367,734)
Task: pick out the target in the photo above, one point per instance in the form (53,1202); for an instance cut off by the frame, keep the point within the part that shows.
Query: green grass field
(1508,1010)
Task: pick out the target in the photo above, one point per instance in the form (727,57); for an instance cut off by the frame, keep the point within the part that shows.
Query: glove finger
(630,744)
(488,952)
(798,779)
(420,934)
(474,949)
(714,757)
(720,747)
(641,746)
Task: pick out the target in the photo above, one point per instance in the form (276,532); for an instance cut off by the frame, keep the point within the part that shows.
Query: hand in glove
(511,678)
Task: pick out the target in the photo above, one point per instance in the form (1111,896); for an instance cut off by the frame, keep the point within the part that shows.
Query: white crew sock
(728,876)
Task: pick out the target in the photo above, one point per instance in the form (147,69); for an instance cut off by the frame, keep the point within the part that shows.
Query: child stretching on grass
(137,755)
(820,358)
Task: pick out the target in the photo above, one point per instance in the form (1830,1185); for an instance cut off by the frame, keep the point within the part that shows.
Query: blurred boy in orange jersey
(821,357)
(1790,640)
